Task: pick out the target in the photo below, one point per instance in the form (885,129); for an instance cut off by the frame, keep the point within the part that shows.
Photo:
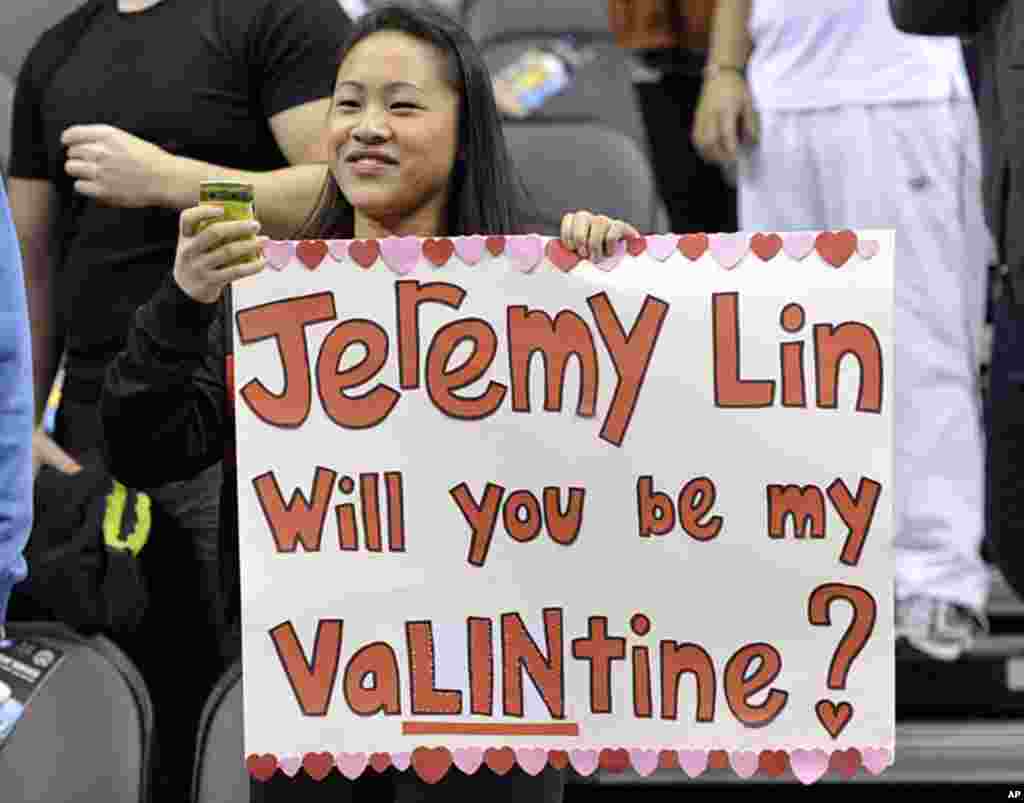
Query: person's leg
(914,167)
(484,785)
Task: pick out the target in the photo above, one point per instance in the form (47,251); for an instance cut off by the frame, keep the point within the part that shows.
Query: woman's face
(393,133)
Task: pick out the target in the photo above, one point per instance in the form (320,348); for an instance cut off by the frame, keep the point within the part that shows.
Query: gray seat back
(87,735)
(220,775)
(568,167)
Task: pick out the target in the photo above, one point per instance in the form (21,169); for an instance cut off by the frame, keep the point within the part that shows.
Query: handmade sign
(499,505)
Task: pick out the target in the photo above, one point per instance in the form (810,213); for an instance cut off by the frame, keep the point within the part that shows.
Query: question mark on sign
(835,717)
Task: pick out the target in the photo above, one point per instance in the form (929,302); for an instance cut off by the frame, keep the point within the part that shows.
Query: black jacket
(166,412)
(997,27)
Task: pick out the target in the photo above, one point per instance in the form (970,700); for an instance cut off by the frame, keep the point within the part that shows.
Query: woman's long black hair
(485,194)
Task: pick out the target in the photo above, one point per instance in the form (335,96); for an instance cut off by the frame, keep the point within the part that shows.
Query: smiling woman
(416,148)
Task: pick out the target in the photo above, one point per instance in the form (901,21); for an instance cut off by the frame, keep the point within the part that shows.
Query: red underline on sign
(490,729)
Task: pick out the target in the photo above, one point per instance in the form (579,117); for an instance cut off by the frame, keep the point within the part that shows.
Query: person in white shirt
(837,120)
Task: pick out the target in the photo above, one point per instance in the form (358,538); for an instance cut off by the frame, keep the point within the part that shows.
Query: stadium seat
(567,167)
(602,89)
(219,774)
(87,735)
(6,113)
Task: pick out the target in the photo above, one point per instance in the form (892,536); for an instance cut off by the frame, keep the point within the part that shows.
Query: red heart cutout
(668,760)
(636,245)
(318,765)
(614,761)
(561,257)
(438,251)
(431,764)
(836,247)
(500,760)
(766,246)
(364,252)
(559,759)
(773,762)
(833,717)
(380,761)
(311,253)
(262,768)
(496,245)
(693,246)
(718,760)
(845,762)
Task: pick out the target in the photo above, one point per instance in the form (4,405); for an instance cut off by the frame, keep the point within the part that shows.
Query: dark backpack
(84,553)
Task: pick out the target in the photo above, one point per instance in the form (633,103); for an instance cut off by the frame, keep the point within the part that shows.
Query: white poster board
(498,505)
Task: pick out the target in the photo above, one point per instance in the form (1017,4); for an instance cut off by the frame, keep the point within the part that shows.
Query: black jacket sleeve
(164,403)
(941,17)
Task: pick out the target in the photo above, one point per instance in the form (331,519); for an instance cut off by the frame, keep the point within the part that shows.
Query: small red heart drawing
(833,717)
(836,247)
(636,245)
(496,245)
(500,760)
(845,762)
(614,761)
(718,760)
(431,764)
(766,246)
(559,759)
(438,251)
(668,760)
(773,762)
(561,257)
(364,252)
(318,765)
(380,761)
(693,246)
(262,768)
(311,253)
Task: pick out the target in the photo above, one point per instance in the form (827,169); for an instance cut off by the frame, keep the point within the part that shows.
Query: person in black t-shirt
(120,111)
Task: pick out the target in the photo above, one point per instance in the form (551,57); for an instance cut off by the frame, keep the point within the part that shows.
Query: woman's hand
(725,118)
(201,266)
(46,452)
(594,237)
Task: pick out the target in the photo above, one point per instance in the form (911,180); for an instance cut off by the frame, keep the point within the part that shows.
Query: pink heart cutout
(644,762)
(662,246)
(615,259)
(290,765)
(744,763)
(351,765)
(808,765)
(526,251)
(470,249)
(468,759)
(400,253)
(798,244)
(338,249)
(693,762)
(584,761)
(401,761)
(729,249)
(875,759)
(532,760)
(868,248)
(278,253)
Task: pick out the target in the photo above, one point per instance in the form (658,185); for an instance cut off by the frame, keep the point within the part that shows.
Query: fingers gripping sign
(207,247)
(593,236)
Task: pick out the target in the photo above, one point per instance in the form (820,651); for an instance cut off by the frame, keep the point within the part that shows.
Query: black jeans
(484,785)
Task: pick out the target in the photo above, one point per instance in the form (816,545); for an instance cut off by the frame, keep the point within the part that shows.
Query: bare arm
(730,35)
(34,209)
(284,198)
(120,169)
